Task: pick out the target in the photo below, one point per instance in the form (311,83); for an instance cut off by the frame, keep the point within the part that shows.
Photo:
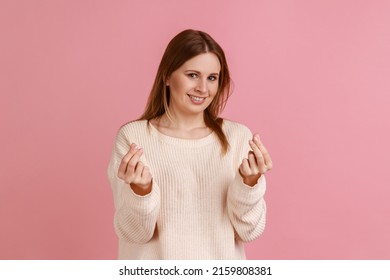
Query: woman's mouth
(196,100)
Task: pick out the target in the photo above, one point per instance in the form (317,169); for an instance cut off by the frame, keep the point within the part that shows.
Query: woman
(186,183)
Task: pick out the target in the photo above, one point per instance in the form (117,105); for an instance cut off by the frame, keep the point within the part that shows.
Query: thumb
(256,135)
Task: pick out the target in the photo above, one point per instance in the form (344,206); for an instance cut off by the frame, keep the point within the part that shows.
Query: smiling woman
(200,86)
(188,184)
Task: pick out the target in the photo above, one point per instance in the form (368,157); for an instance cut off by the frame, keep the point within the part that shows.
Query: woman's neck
(183,123)
(181,128)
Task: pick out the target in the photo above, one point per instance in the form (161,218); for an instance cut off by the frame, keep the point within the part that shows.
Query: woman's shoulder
(134,124)
(232,128)
(134,127)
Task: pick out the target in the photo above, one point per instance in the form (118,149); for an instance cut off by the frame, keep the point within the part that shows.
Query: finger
(267,159)
(132,150)
(146,176)
(145,171)
(257,152)
(260,159)
(253,164)
(135,177)
(138,171)
(244,167)
(125,160)
(131,176)
(134,160)
(266,155)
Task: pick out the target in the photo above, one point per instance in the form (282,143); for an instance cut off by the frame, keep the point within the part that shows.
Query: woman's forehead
(203,63)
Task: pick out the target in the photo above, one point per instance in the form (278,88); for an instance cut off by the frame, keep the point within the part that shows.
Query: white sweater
(199,207)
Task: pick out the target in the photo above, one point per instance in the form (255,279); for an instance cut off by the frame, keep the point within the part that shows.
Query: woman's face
(194,85)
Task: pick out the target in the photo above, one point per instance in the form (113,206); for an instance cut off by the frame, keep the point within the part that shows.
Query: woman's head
(185,46)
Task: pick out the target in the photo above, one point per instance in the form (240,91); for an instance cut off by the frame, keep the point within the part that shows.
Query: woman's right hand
(134,172)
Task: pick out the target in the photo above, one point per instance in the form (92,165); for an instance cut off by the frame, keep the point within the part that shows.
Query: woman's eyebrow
(197,72)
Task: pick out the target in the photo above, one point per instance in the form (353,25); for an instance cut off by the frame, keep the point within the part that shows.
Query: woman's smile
(196,100)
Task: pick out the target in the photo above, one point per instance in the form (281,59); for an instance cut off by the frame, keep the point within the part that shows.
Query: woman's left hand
(257,163)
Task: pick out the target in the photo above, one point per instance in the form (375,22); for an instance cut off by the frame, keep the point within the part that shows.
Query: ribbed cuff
(247,194)
(143,205)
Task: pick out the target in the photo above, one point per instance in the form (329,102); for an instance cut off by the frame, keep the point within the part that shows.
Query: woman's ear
(167,82)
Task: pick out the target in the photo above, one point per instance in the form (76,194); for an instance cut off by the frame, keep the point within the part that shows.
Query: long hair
(184,46)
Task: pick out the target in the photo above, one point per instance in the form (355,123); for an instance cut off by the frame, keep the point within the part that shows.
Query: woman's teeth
(197,98)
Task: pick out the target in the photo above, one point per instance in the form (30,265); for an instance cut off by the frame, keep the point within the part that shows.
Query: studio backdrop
(311,77)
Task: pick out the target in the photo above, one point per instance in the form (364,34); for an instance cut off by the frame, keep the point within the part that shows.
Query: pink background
(312,77)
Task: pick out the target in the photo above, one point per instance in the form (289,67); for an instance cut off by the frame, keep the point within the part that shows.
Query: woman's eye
(193,75)
(212,78)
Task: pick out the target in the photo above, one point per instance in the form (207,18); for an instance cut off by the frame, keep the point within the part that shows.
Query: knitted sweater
(199,207)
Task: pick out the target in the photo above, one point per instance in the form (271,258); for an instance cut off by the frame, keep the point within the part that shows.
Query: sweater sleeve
(246,205)
(135,216)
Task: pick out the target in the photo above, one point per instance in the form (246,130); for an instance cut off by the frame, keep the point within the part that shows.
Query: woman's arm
(247,208)
(136,209)
(245,199)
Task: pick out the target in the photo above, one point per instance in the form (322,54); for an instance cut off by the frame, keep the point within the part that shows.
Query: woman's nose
(202,86)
